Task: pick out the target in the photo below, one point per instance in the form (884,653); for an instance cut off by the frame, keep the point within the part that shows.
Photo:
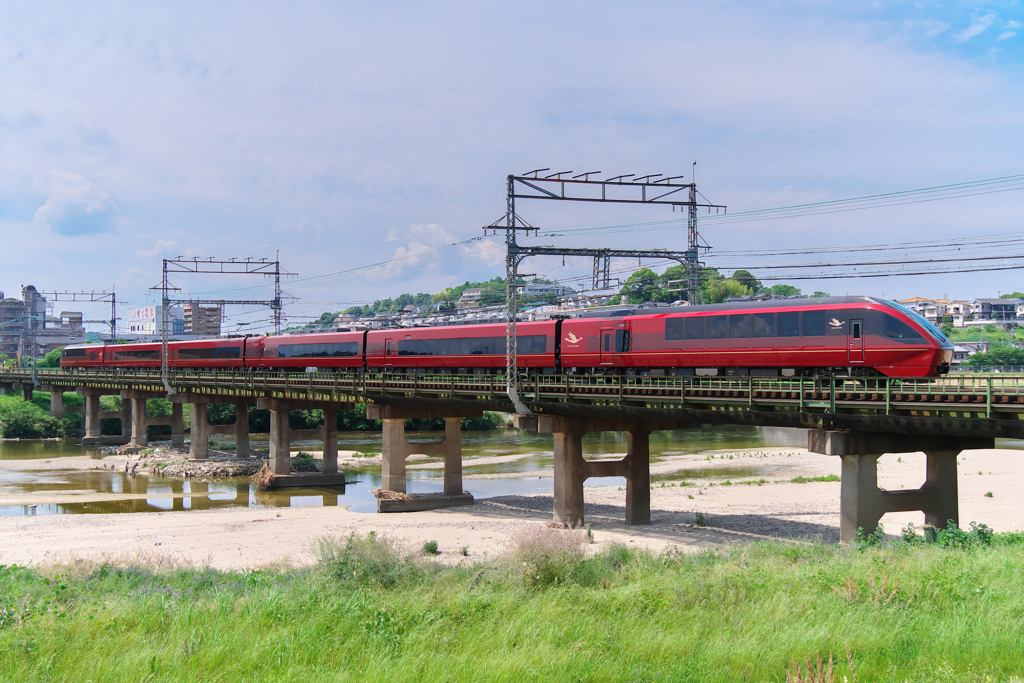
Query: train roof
(741,305)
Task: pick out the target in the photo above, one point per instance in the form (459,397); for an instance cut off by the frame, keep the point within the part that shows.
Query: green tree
(642,285)
(746,278)
(1003,356)
(674,278)
(50,360)
(725,289)
(821,295)
(1012,295)
(785,290)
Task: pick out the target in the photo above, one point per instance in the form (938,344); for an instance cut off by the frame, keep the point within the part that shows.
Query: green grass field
(366,612)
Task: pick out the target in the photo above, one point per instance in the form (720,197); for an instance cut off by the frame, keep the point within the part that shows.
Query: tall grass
(370,611)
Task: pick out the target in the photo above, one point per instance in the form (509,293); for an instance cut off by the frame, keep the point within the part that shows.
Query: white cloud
(1006,35)
(978,26)
(488,252)
(1013,24)
(75,206)
(934,27)
(161,247)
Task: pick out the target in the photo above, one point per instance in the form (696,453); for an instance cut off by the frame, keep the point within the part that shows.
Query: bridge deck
(966,405)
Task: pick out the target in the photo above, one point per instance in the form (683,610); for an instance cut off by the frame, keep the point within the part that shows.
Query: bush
(430,548)
(366,560)
(23,420)
(540,556)
(304,462)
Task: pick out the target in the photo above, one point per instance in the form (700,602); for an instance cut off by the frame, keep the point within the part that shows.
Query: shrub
(430,548)
(875,539)
(304,462)
(22,420)
(540,556)
(365,560)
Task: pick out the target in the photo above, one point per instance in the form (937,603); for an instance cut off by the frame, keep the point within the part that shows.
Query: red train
(838,335)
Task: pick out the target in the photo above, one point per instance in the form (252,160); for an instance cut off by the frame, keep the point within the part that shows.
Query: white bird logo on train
(573,339)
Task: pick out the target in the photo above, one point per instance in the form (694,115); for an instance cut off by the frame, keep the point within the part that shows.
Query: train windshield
(923,322)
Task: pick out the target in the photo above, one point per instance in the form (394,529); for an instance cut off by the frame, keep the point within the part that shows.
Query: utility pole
(648,189)
(212,266)
(83,297)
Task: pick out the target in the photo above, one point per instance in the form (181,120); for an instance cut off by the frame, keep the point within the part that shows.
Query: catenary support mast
(648,189)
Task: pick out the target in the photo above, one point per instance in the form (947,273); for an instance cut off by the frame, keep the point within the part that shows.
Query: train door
(389,352)
(607,346)
(856,341)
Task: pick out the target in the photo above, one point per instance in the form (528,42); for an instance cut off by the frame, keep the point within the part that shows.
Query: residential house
(995,309)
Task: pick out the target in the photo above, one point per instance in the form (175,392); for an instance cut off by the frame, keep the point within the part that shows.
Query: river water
(105,491)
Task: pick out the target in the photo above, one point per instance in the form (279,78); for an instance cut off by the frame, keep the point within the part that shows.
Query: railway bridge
(855,419)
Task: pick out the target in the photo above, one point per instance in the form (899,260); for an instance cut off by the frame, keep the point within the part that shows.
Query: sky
(343,136)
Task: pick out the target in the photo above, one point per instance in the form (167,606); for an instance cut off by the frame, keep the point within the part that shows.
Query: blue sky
(344,134)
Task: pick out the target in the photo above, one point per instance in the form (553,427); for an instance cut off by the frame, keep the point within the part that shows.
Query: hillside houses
(969,313)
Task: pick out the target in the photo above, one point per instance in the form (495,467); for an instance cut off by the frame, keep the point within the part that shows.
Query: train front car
(475,349)
(82,356)
(838,335)
(330,350)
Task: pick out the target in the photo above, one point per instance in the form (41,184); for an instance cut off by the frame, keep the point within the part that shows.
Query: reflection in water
(33,450)
(532,453)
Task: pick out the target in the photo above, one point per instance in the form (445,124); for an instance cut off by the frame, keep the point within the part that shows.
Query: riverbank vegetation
(950,610)
(20,419)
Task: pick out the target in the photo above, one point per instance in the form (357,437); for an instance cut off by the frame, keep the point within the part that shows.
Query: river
(105,491)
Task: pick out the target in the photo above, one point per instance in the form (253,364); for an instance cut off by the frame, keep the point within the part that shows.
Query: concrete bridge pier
(395,449)
(571,469)
(134,404)
(57,407)
(282,435)
(862,503)
(94,413)
(239,428)
(177,426)
(199,435)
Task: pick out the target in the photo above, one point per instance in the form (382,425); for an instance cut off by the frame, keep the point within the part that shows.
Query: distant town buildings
(968,313)
(202,320)
(27,330)
(148,320)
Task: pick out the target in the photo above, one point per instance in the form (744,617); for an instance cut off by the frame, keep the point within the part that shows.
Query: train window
(789,324)
(675,328)
(132,354)
(740,326)
(695,328)
(622,341)
(470,346)
(718,327)
(607,338)
(762,325)
(900,331)
(73,353)
(533,343)
(814,323)
(210,352)
(312,350)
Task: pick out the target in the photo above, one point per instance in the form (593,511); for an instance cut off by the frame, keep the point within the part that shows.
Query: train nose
(947,356)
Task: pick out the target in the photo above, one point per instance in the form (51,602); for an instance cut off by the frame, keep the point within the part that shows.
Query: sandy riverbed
(737,512)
